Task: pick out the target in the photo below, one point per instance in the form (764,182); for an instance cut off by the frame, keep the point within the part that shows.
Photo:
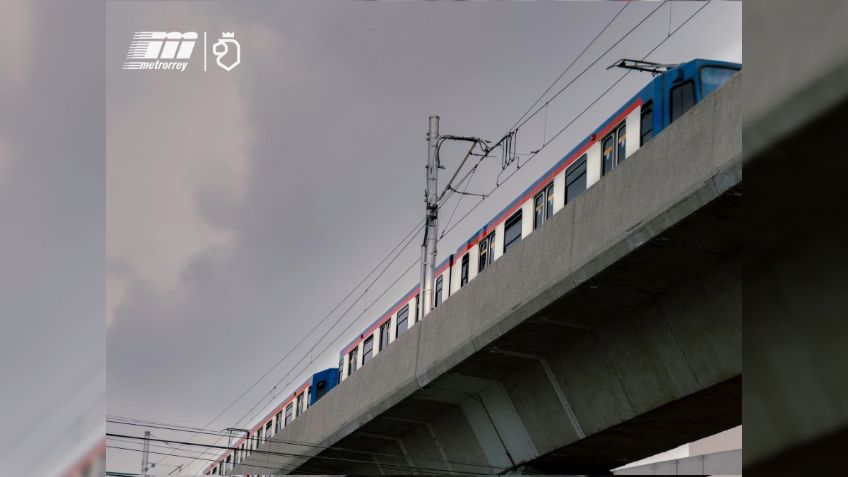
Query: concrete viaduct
(610,334)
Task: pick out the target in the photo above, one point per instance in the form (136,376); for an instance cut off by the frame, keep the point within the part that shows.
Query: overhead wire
(412,232)
(524,120)
(186,429)
(284,454)
(380,275)
(568,68)
(536,152)
(339,320)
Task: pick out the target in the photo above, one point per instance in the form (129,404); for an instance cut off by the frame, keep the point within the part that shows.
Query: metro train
(292,407)
(674,90)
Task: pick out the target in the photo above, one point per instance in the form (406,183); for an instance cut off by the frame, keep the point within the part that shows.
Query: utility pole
(145,456)
(431,225)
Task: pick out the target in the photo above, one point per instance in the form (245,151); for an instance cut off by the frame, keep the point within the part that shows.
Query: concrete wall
(620,316)
(720,463)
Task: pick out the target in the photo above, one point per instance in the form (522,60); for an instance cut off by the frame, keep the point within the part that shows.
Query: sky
(241,206)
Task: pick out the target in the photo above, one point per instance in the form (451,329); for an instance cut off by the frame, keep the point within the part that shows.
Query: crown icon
(228,34)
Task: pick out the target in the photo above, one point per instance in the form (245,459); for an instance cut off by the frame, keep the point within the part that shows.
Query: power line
(275,469)
(287,454)
(567,68)
(521,120)
(339,320)
(177,428)
(599,58)
(380,275)
(313,329)
(535,153)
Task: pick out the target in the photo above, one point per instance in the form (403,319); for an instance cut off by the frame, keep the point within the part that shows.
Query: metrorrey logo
(159,50)
(151,50)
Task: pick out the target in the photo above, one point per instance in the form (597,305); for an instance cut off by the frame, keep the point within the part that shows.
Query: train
(673,90)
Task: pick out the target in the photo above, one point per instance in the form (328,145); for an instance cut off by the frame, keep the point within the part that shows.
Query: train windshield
(712,77)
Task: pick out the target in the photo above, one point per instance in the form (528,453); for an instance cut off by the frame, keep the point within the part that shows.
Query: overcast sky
(243,205)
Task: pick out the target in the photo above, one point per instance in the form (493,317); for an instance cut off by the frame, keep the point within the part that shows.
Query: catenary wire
(535,153)
(340,333)
(520,123)
(282,454)
(186,429)
(314,328)
(344,314)
(568,68)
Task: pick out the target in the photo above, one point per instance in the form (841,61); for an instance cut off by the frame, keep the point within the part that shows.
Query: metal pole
(431,227)
(145,456)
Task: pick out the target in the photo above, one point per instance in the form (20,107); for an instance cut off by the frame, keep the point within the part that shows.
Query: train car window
(621,153)
(538,210)
(487,252)
(279,422)
(646,123)
(613,148)
(320,389)
(438,299)
(608,154)
(512,231)
(260,436)
(288,417)
(268,430)
(384,334)
(483,255)
(491,244)
(543,206)
(575,179)
(463,274)
(299,404)
(214,471)
(712,77)
(367,349)
(682,99)
(353,357)
(417,306)
(402,320)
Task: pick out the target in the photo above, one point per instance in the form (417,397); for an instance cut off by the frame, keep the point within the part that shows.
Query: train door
(681,91)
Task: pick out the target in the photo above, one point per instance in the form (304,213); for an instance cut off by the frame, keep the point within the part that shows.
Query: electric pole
(145,456)
(431,226)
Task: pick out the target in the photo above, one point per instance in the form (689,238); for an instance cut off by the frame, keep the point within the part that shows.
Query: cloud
(177,156)
(16,56)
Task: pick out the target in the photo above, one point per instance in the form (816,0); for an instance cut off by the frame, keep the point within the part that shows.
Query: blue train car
(322,383)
